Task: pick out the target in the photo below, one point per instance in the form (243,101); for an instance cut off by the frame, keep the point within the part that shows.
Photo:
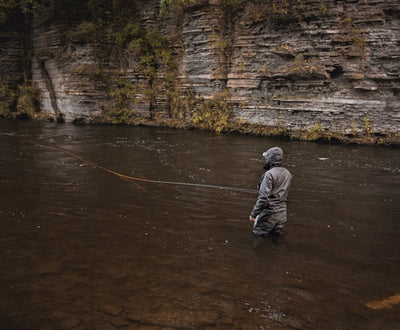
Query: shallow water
(82,248)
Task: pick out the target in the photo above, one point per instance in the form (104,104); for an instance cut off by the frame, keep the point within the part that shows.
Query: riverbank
(314,135)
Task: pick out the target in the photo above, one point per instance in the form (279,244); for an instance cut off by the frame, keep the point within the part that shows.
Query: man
(269,212)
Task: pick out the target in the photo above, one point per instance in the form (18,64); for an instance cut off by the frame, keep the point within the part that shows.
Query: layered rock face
(334,64)
(298,65)
(64,67)
(14,47)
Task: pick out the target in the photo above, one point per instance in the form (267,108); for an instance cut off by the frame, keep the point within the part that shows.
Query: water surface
(82,248)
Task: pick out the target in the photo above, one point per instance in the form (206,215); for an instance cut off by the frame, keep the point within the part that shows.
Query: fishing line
(128,177)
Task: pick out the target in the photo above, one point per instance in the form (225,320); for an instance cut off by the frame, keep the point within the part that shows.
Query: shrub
(25,101)
(368,127)
(7,100)
(213,114)
(351,33)
(92,71)
(152,55)
(167,6)
(28,102)
(123,95)
(315,132)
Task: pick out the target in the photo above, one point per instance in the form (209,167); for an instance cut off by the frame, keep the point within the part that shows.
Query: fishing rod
(128,177)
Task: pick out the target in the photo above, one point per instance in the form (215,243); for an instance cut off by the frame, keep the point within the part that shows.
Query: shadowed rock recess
(297,68)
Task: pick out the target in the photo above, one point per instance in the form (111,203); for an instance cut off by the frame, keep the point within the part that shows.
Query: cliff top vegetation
(96,10)
(64,10)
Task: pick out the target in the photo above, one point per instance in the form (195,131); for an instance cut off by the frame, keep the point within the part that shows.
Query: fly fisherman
(269,212)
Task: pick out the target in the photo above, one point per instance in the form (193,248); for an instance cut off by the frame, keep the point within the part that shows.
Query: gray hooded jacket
(274,185)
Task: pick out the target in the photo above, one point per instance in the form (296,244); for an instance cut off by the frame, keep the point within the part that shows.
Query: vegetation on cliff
(152,54)
(256,9)
(24,102)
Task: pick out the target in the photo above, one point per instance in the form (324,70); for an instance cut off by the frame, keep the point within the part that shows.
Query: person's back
(269,212)
(279,179)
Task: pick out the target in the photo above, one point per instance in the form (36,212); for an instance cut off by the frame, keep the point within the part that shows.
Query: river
(84,248)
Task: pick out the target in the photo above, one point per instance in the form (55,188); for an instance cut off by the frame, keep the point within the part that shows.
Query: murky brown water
(81,248)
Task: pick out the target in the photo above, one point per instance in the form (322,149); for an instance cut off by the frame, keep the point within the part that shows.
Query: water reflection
(81,248)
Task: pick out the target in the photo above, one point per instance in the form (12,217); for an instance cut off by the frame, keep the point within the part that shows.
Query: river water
(82,248)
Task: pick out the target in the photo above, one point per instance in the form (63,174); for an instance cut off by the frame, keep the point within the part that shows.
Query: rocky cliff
(316,67)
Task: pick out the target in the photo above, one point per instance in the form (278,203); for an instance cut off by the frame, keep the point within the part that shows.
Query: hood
(273,157)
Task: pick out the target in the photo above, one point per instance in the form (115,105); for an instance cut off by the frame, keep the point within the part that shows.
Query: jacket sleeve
(263,194)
